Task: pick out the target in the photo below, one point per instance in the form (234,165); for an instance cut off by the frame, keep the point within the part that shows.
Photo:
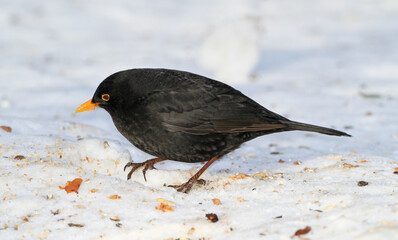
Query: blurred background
(327,62)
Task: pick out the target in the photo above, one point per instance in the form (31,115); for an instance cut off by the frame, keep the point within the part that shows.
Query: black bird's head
(105,97)
(119,91)
(110,94)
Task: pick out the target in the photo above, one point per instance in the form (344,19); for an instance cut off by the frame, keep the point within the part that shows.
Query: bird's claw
(186,187)
(147,165)
(129,164)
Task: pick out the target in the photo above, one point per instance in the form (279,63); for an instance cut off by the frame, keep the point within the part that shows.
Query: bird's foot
(186,187)
(147,165)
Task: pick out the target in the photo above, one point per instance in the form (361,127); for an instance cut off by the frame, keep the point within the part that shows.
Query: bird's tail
(312,128)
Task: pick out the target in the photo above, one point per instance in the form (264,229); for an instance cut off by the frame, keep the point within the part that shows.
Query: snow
(327,63)
(231,50)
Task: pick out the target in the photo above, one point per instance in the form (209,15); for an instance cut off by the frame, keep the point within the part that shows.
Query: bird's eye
(105,97)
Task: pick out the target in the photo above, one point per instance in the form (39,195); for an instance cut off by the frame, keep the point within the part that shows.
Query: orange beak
(87,106)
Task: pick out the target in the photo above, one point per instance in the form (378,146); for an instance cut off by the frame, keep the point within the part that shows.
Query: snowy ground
(331,63)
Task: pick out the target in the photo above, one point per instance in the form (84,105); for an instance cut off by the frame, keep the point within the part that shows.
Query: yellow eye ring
(105,97)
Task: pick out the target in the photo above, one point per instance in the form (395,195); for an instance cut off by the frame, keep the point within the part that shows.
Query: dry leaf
(6,128)
(72,186)
(216,201)
(330,207)
(164,208)
(113,197)
(299,232)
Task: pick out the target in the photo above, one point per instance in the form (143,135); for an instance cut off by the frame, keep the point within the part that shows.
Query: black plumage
(181,116)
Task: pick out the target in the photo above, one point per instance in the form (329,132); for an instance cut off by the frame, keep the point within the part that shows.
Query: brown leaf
(164,208)
(72,186)
(113,197)
(299,232)
(216,201)
(6,128)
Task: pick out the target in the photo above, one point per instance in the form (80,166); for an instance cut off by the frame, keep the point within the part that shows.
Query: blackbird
(185,117)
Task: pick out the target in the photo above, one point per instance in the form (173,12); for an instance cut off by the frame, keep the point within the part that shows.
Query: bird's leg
(186,187)
(147,165)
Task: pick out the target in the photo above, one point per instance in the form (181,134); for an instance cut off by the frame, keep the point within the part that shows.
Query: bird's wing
(202,111)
